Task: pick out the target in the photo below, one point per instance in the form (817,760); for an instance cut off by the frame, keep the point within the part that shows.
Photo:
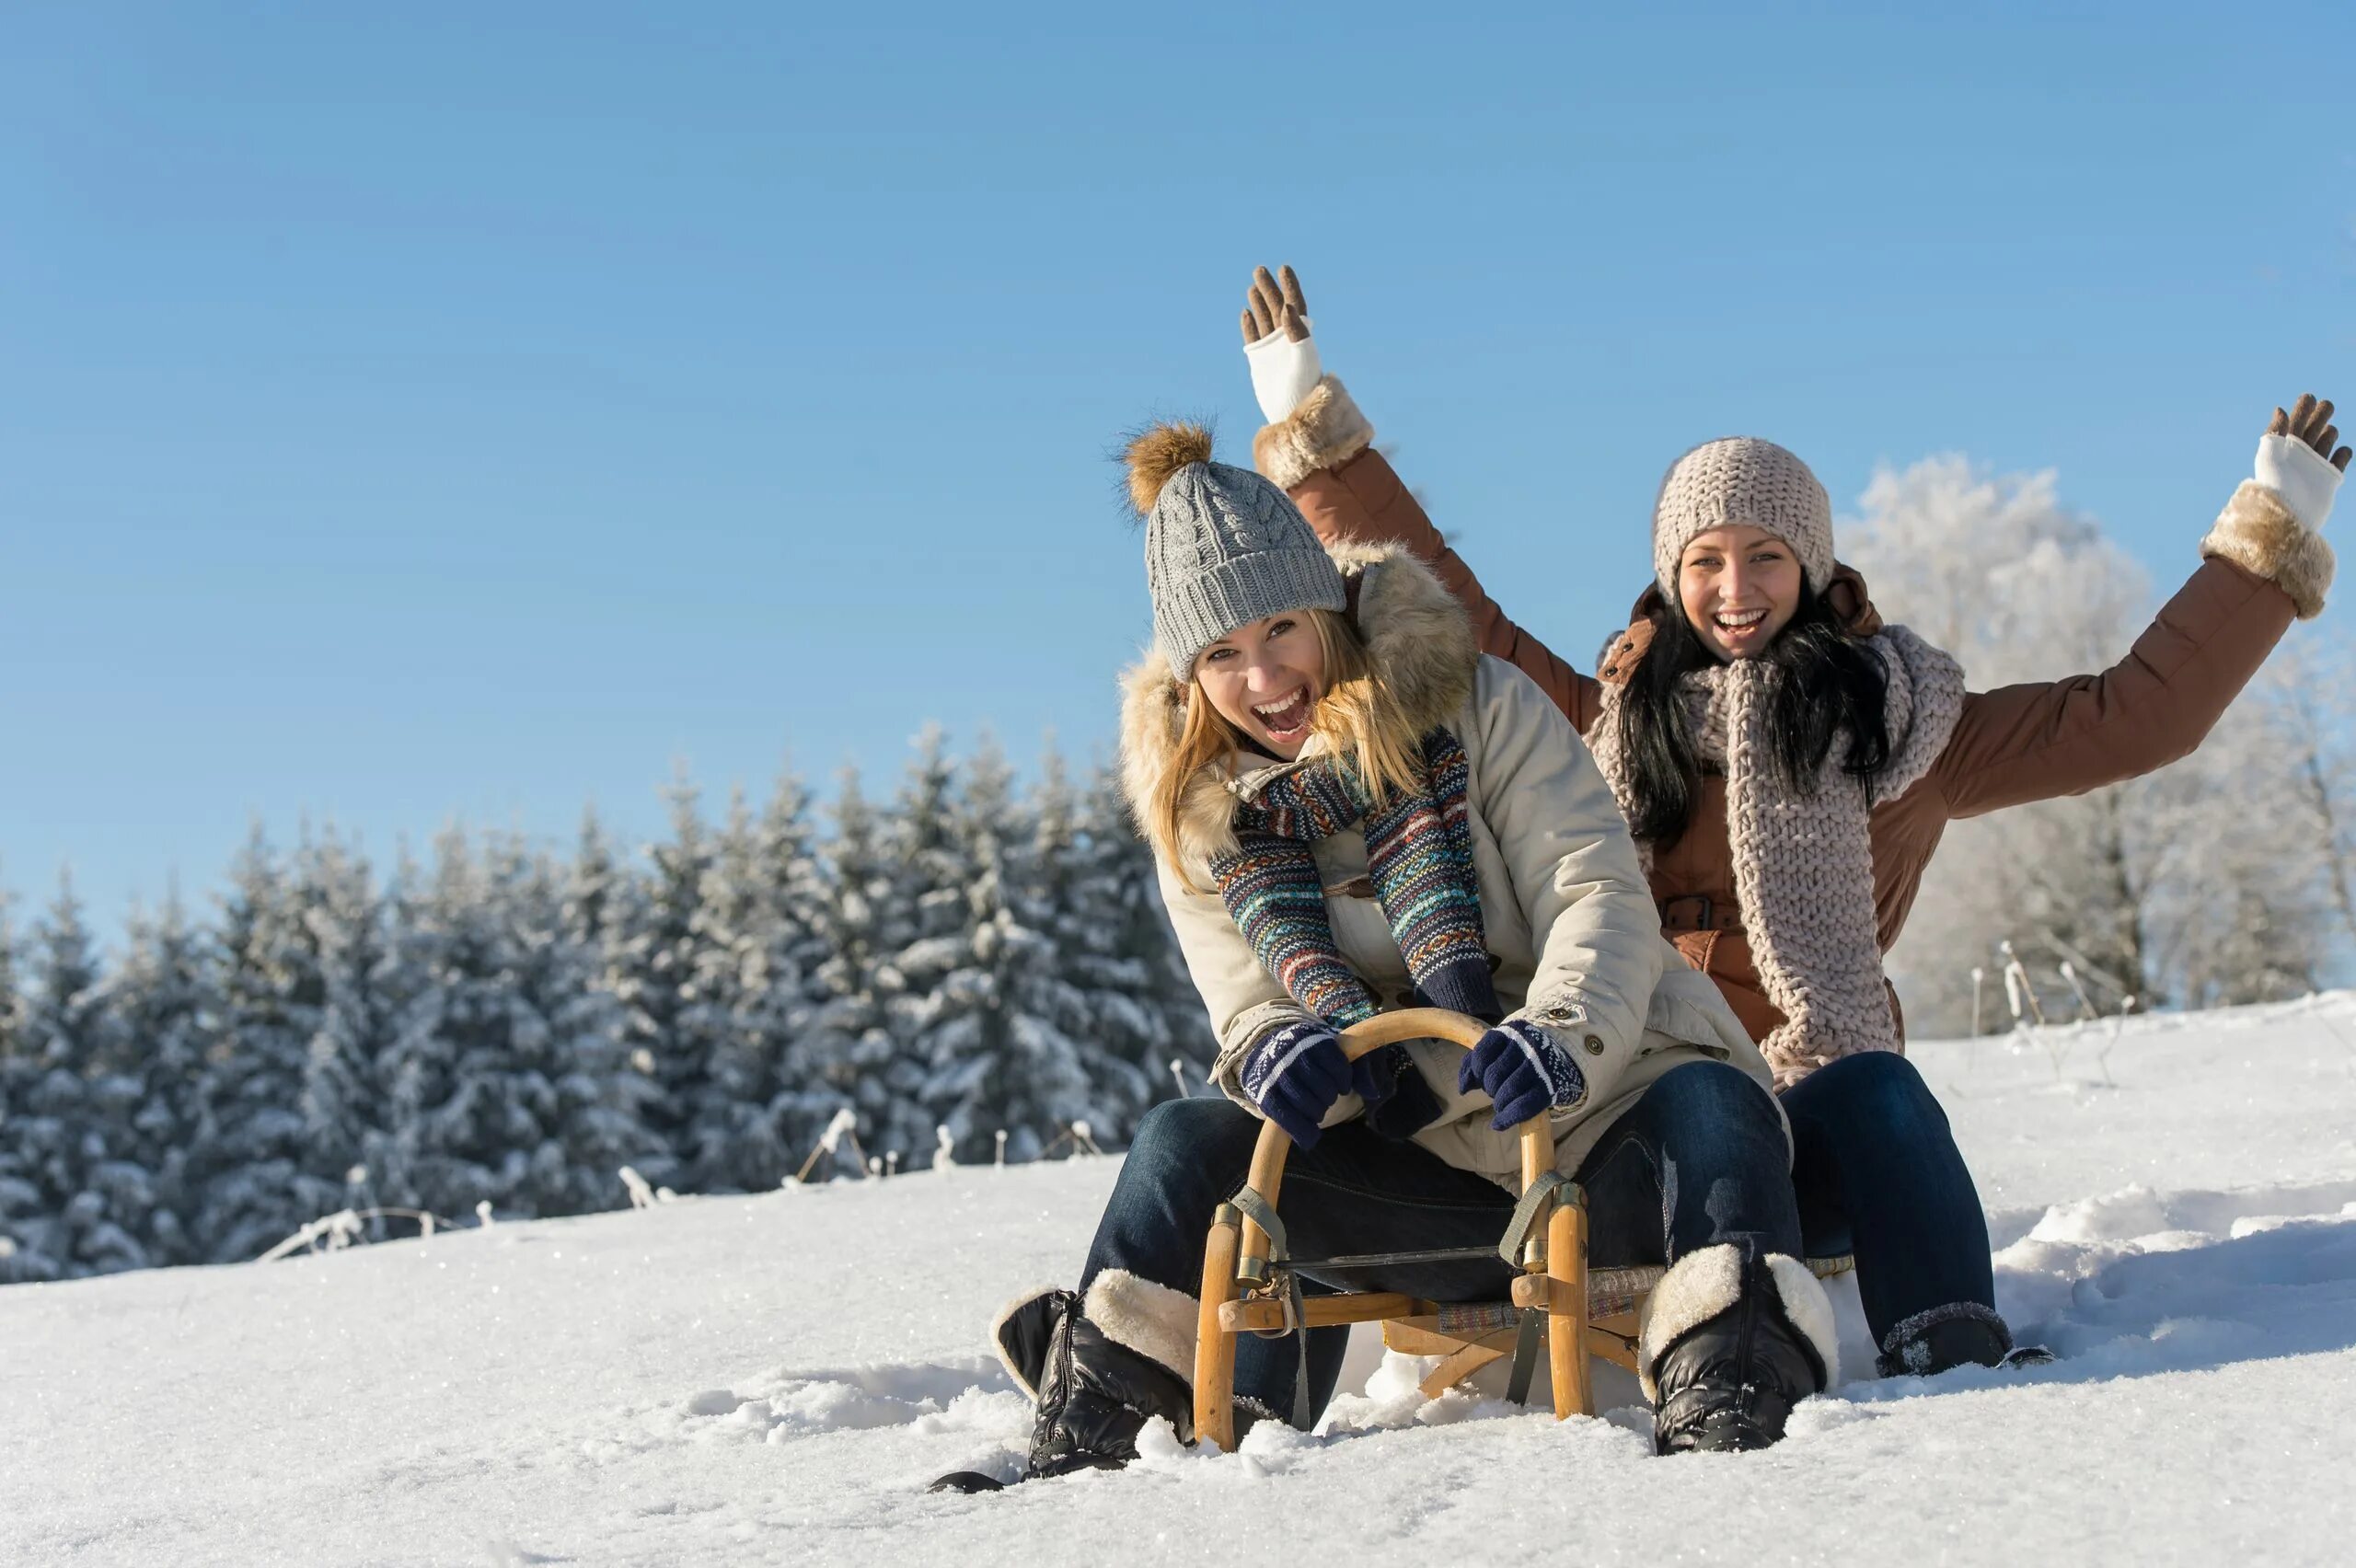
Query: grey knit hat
(1223,546)
(1742,479)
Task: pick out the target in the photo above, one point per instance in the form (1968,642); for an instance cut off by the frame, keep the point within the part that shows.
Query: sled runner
(1249,1286)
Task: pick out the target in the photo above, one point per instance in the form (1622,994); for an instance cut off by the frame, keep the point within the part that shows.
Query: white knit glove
(1283,371)
(2303,477)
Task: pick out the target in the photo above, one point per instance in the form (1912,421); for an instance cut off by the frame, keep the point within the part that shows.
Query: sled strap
(1525,1354)
(1527,1214)
(1263,1213)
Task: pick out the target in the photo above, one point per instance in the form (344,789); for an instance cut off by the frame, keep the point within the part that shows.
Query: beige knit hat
(1741,478)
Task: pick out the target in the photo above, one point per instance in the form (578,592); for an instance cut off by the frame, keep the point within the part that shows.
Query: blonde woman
(1354,810)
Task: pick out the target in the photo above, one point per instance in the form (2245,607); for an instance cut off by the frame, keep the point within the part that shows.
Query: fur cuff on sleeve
(2260,534)
(1325,432)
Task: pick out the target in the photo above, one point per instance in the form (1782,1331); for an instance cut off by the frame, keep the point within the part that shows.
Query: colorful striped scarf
(1419,858)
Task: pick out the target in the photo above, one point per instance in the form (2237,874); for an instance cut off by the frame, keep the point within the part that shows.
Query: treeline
(502,1024)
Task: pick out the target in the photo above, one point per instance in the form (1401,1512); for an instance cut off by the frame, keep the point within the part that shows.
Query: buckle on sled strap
(1536,1199)
(1263,1213)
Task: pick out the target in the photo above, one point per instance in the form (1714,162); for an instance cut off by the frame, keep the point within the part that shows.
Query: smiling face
(1265,679)
(1738,587)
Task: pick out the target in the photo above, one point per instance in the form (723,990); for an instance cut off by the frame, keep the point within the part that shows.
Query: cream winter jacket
(1567,915)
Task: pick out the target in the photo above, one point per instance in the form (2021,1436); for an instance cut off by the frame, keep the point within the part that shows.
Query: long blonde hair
(1359,719)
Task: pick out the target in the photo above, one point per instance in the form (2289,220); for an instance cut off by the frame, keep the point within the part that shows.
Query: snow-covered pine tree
(984,1063)
(1093,878)
(658,986)
(165,1001)
(24,1208)
(347,924)
(1120,896)
(729,1126)
(31,1143)
(753,990)
(796,894)
(846,1056)
(470,1096)
(11,997)
(246,1158)
(95,1196)
(566,949)
(942,870)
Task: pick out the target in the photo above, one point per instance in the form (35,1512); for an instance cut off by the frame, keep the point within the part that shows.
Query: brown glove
(2308,419)
(1270,305)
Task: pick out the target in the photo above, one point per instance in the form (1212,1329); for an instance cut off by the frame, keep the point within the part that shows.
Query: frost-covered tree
(982,1016)
(565,955)
(346,926)
(2246,906)
(848,1055)
(1995,570)
(247,1159)
(76,1120)
(754,988)
(24,1205)
(11,1001)
(2211,881)
(1082,1032)
(656,980)
(1135,954)
(165,1004)
(942,877)
(469,1076)
(797,896)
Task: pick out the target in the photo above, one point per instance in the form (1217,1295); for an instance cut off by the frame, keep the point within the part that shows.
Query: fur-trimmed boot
(1098,1368)
(1731,1342)
(1961,1333)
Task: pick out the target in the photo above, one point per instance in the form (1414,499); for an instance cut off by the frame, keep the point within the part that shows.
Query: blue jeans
(1877,1174)
(1700,1159)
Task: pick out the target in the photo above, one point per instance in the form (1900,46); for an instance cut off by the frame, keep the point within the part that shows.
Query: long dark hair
(1832,684)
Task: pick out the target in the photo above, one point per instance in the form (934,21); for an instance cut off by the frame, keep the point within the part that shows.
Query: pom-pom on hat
(1223,546)
(1741,478)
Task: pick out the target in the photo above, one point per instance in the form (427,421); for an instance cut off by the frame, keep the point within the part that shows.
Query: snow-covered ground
(774,1378)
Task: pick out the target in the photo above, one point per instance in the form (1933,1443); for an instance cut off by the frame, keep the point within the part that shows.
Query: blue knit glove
(1399,1103)
(1522,1070)
(1294,1075)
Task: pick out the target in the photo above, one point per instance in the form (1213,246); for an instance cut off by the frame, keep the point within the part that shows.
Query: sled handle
(1387,1029)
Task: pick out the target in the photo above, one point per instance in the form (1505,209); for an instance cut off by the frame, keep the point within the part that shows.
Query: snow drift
(774,1378)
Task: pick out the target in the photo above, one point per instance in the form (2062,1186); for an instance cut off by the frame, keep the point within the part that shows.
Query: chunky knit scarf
(1804,864)
(1419,858)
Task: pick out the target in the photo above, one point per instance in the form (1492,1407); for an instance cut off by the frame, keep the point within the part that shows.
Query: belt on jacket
(1698,912)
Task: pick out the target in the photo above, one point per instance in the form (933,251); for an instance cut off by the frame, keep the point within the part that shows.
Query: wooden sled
(1247,1289)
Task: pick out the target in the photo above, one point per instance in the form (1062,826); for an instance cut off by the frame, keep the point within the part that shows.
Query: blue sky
(432,411)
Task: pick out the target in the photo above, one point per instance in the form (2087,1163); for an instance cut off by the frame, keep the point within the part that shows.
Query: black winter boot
(1961,1333)
(1731,1343)
(1094,1395)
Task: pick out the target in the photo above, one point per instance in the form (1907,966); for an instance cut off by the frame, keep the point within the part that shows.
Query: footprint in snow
(969,1395)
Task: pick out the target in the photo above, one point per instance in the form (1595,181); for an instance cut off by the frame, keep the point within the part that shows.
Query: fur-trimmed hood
(1419,644)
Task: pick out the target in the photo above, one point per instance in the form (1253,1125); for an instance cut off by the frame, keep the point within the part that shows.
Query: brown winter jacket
(2016,745)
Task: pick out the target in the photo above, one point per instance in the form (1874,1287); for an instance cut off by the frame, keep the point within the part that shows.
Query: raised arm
(1320,448)
(2265,563)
